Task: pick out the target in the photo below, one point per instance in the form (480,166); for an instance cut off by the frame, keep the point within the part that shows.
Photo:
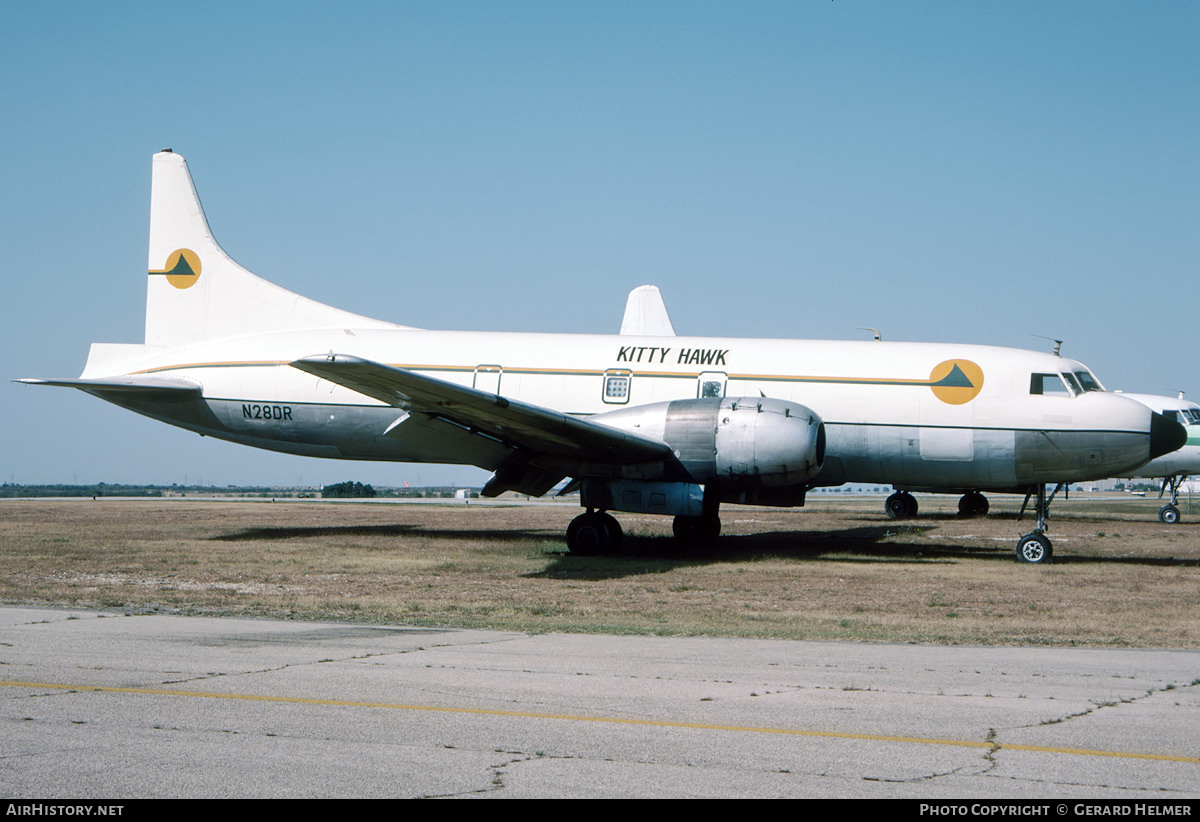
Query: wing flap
(533,428)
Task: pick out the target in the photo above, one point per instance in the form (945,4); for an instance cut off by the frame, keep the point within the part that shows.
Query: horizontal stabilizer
(129,385)
(540,431)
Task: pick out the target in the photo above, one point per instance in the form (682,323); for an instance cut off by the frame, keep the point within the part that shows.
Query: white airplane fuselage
(884,421)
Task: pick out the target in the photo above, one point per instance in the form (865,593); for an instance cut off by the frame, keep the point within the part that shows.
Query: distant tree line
(100,489)
(344,490)
(347,490)
(106,489)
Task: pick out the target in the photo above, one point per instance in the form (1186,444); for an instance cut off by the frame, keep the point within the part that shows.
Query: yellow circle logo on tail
(956,381)
(182,268)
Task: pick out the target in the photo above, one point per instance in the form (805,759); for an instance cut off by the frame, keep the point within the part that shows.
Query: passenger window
(616,386)
(712,384)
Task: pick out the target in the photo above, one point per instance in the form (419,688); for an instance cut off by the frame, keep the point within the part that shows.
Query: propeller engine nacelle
(735,442)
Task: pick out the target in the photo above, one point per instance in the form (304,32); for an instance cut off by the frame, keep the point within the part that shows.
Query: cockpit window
(1192,416)
(1171,414)
(1072,382)
(1087,381)
(1049,384)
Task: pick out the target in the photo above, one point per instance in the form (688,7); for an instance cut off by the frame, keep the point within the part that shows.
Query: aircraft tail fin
(646,314)
(197,292)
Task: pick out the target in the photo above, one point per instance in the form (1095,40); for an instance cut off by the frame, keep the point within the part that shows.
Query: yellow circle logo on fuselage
(182,269)
(955,382)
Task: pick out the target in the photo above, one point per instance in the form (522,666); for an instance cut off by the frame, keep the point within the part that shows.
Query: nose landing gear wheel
(1034,548)
(1168,515)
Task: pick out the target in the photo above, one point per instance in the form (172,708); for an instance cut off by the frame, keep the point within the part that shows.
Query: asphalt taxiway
(104,705)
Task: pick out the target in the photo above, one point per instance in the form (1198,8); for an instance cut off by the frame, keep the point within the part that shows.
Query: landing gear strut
(693,530)
(1035,547)
(597,532)
(1169,513)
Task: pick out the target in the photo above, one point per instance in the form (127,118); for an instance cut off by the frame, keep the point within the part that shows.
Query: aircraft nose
(1165,436)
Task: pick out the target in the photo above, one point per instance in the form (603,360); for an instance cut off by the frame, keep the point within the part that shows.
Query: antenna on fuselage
(874,331)
(1057,343)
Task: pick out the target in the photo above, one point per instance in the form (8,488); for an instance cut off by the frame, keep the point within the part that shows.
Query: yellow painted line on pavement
(295,700)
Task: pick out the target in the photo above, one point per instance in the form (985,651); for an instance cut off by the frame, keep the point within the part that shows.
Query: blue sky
(947,171)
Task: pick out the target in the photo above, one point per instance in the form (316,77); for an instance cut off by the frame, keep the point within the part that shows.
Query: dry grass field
(838,569)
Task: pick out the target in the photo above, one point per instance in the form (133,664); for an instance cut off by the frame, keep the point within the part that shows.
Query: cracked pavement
(103,704)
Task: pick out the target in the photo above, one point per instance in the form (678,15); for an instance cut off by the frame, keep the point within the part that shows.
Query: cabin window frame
(1037,384)
(616,386)
(706,379)
(1087,380)
(487,371)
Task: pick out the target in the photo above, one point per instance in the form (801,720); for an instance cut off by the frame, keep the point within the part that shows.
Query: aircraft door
(947,444)
(487,378)
(946,453)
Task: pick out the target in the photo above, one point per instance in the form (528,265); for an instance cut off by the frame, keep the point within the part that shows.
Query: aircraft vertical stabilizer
(197,292)
(646,314)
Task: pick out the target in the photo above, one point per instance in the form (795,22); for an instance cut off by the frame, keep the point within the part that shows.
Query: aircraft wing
(531,430)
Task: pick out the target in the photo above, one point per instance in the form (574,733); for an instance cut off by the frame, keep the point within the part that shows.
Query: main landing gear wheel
(901,505)
(1168,515)
(695,530)
(972,505)
(1034,548)
(593,533)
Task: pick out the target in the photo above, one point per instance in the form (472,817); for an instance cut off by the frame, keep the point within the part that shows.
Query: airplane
(1172,468)
(645,421)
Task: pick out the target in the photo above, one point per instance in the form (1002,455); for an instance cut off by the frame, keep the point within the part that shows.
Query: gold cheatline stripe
(459,369)
(612,720)
(466,369)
